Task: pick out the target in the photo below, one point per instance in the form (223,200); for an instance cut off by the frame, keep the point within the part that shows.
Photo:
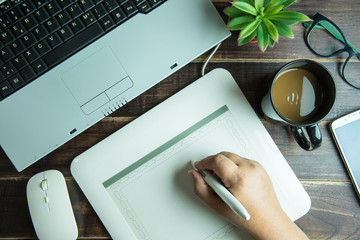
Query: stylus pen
(224,194)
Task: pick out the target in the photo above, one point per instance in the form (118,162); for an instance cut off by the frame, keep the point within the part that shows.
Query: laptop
(65,65)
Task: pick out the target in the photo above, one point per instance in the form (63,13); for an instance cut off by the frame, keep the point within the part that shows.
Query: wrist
(276,227)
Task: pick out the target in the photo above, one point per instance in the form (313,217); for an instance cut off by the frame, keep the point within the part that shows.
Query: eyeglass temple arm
(332,30)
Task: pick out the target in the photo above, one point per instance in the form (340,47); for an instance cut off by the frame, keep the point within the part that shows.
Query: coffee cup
(301,94)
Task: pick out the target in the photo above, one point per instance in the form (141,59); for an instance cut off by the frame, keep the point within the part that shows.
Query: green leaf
(271,29)
(245,7)
(233,12)
(266,2)
(283,29)
(287,3)
(289,16)
(263,37)
(259,4)
(249,28)
(287,22)
(272,4)
(273,9)
(271,43)
(251,2)
(239,23)
(242,41)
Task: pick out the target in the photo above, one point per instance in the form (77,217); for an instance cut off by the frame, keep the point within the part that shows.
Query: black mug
(301,94)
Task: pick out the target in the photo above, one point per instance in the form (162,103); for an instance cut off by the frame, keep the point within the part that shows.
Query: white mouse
(50,207)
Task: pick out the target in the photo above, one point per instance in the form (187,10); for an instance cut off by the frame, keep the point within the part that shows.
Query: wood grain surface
(335,210)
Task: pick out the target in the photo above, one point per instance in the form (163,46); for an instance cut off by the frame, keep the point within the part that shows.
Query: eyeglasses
(326,39)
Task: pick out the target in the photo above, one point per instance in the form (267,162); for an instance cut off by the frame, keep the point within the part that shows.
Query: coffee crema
(297,94)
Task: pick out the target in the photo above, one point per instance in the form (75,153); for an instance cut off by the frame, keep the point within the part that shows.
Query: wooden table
(335,211)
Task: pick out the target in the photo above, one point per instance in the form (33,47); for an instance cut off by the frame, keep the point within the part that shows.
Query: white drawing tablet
(137,180)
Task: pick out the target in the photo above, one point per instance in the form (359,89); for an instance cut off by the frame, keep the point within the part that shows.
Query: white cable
(207,61)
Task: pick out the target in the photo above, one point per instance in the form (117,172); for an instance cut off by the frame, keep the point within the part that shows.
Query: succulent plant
(264,20)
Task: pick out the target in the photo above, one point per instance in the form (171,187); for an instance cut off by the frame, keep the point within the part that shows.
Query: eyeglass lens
(322,41)
(351,71)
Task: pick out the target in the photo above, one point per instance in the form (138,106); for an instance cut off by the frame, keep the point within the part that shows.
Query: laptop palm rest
(96,80)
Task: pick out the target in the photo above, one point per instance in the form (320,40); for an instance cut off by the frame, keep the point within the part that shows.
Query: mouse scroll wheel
(44,185)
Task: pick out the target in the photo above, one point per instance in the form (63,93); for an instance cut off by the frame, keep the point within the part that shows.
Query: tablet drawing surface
(151,192)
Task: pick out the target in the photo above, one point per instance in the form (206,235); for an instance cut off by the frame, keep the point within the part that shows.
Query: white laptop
(137,180)
(61,94)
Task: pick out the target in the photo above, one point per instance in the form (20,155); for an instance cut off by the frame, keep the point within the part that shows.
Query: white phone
(346,133)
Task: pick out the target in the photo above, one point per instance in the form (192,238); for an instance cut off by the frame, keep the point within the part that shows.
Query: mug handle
(308,137)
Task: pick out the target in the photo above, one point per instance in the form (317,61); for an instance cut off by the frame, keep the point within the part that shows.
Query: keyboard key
(88,18)
(54,40)
(5,6)
(107,23)
(15,2)
(31,55)
(40,32)
(27,7)
(129,8)
(6,54)
(77,26)
(5,89)
(118,15)
(65,3)
(28,39)
(52,25)
(155,3)
(74,10)
(27,74)
(15,14)
(16,81)
(29,22)
(39,66)
(65,33)
(41,15)
(17,47)
(63,18)
(19,62)
(39,3)
(42,47)
(5,21)
(99,11)
(111,5)
(8,69)
(52,8)
(18,29)
(6,37)
(138,2)
(74,44)
(144,7)
(86,4)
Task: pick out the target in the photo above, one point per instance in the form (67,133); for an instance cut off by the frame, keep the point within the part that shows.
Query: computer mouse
(50,207)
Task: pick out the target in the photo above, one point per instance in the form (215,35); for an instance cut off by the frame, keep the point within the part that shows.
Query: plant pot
(254,40)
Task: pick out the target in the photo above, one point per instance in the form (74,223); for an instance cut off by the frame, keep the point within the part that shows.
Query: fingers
(200,186)
(224,165)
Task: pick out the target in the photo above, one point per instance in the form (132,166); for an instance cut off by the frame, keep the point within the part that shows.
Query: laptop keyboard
(37,35)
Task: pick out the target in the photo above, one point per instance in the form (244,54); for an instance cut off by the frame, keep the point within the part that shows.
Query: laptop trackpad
(94,75)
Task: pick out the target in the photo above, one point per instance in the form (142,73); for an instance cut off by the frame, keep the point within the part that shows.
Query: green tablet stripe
(165,146)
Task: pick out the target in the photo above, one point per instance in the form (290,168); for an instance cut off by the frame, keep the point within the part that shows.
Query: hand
(248,181)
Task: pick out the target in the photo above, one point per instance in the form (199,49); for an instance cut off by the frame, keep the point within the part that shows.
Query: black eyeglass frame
(349,49)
